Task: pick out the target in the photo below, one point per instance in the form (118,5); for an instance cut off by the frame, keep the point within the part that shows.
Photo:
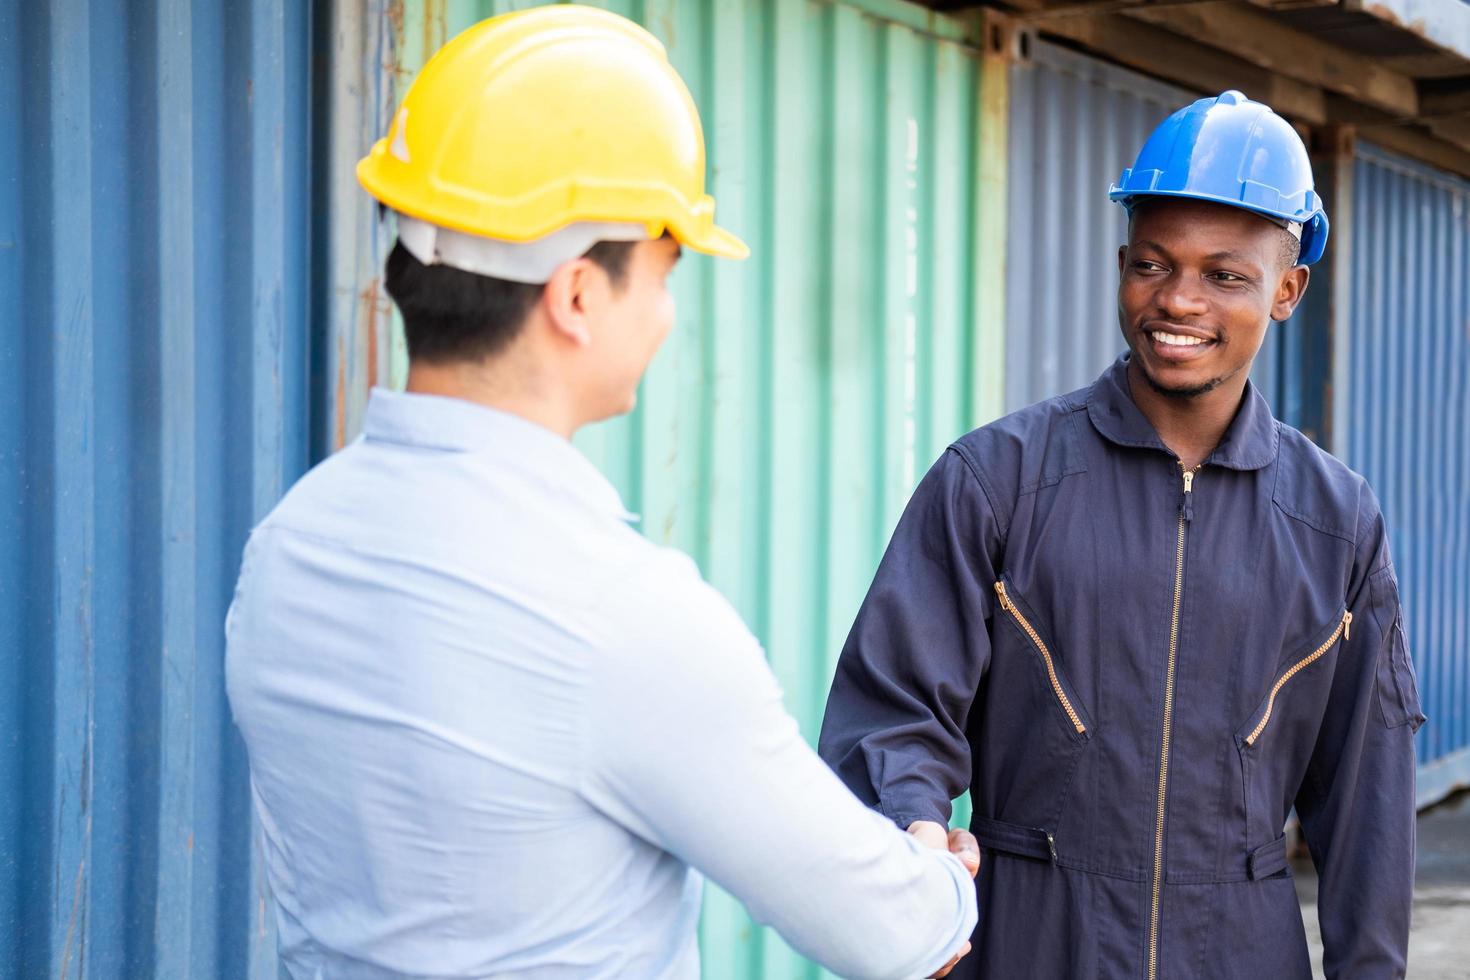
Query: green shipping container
(859,147)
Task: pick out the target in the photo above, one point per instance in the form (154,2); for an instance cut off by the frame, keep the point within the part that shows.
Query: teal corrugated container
(804,391)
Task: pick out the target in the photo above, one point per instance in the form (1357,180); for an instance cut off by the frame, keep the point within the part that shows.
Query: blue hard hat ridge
(1233,151)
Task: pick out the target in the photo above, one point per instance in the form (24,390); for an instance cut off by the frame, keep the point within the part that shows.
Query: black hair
(1291,249)
(453,315)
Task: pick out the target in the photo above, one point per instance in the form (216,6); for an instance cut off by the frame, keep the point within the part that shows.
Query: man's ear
(1289,292)
(1122,258)
(570,293)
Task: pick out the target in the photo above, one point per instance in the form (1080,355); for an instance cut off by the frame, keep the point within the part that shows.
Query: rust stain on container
(371,299)
(394,15)
(436,28)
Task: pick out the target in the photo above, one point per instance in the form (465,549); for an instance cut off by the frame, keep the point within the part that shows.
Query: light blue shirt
(494,731)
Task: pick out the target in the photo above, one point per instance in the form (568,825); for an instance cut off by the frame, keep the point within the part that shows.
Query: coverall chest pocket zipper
(1260,722)
(1065,699)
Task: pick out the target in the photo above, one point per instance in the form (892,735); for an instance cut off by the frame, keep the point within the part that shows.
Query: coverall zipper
(1344,630)
(1051,669)
(1186,514)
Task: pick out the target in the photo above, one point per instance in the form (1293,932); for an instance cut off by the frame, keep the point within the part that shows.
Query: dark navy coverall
(1137,672)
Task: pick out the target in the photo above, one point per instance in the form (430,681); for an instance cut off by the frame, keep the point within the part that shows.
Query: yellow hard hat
(532,121)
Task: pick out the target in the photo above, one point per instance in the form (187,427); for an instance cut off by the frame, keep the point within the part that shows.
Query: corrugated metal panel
(784,425)
(153,360)
(1076,122)
(357,45)
(1407,411)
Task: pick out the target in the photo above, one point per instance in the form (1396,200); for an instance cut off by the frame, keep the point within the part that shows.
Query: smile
(1176,340)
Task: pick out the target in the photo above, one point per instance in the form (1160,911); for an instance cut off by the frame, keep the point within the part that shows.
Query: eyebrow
(1226,255)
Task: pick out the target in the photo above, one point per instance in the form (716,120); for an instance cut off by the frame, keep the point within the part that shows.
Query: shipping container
(153,359)
(1075,123)
(195,315)
(1403,404)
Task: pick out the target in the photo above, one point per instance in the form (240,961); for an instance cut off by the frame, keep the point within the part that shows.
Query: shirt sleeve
(896,717)
(689,746)
(1356,803)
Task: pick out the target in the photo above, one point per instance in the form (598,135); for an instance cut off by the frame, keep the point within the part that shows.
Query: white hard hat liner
(529,262)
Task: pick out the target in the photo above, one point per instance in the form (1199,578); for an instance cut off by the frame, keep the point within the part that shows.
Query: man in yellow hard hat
(493,731)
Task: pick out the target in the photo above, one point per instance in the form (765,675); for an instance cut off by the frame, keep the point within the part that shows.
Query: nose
(1181,297)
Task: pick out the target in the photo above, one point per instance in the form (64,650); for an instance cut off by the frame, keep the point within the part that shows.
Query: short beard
(1183,394)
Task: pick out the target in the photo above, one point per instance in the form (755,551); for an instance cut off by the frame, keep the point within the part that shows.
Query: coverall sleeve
(894,729)
(1356,803)
(690,747)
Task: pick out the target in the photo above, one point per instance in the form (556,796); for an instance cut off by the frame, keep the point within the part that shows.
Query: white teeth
(1176,340)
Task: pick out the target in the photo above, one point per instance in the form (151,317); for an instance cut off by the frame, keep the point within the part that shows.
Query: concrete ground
(1439,938)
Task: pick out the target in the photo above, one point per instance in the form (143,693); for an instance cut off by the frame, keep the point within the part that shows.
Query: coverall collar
(1250,443)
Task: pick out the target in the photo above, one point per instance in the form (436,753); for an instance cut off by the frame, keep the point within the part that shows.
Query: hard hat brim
(690,227)
(1128,198)
(714,241)
(1314,224)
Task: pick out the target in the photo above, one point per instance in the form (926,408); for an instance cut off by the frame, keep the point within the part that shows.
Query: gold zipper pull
(1186,503)
(1005,600)
(1347,626)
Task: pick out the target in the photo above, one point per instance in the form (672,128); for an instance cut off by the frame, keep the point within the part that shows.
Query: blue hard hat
(1232,151)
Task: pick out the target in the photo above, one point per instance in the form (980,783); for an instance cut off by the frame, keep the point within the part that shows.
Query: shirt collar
(1250,442)
(456,425)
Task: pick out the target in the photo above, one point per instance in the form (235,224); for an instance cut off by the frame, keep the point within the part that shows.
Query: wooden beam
(1437,101)
(1090,8)
(1070,8)
(1450,130)
(1163,54)
(1432,64)
(1264,41)
(1291,4)
(1349,113)
(1456,131)
(1416,143)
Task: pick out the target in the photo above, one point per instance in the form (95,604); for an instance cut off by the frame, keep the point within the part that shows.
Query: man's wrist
(906,813)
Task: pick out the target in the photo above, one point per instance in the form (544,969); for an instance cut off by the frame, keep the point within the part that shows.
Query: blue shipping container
(154,362)
(1403,410)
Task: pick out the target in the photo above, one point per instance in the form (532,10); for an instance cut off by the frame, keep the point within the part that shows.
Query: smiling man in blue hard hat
(1141,621)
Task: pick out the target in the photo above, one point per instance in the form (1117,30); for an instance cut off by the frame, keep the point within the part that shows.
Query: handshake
(960,843)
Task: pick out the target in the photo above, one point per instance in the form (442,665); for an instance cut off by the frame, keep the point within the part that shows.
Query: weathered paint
(1404,397)
(804,391)
(153,253)
(356,46)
